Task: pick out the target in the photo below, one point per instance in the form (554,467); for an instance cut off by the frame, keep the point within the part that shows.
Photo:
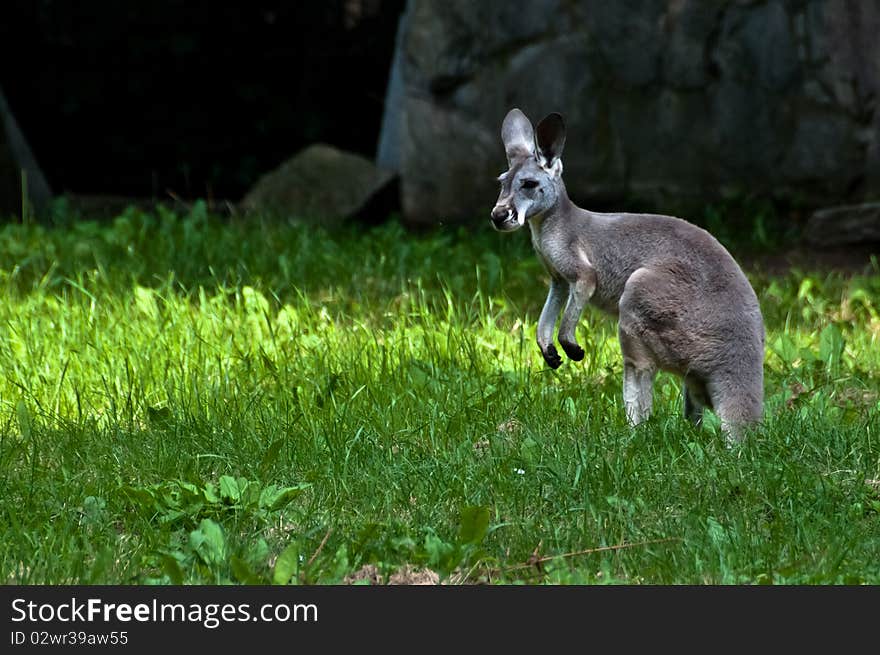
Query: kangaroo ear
(517,135)
(550,139)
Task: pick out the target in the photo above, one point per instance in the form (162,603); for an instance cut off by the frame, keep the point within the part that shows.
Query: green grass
(188,400)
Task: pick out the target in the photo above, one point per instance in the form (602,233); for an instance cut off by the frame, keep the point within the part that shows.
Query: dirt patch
(510,426)
(481,446)
(856,396)
(405,575)
(368,573)
(408,575)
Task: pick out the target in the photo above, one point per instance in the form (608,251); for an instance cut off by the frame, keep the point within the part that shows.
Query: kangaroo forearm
(549,315)
(547,321)
(579,294)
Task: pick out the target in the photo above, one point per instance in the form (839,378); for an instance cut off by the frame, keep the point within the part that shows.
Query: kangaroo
(683,304)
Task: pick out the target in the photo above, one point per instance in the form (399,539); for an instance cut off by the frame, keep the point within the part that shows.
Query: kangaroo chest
(561,253)
(548,248)
(568,258)
(539,251)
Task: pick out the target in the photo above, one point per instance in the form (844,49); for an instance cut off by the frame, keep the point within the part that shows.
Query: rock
(696,98)
(388,147)
(845,225)
(451,184)
(10,185)
(15,157)
(320,183)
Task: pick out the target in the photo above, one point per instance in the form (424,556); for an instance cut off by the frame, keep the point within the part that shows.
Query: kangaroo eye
(529,184)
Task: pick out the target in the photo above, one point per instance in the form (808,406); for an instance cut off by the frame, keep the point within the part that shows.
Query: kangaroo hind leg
(636,330)
(639,371)
(739,408)
(696,399)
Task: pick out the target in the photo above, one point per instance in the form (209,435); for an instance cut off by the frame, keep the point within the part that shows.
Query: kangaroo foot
(573,351)
(552,357)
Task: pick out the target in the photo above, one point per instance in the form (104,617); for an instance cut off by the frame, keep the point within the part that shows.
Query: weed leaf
(831,346)
(24,419)
(208,542)
(172,569)
(474,524)
(242,571)
(274,498)
(286,565)
(229,489)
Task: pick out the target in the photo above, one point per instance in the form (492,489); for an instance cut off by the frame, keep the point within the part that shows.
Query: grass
(185,400)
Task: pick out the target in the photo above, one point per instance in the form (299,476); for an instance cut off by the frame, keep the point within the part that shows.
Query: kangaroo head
(532,183)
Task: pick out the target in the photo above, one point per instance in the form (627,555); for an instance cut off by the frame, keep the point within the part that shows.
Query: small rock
(844,225)
(320,183)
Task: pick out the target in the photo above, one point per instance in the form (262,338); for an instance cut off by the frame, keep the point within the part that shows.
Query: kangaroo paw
(573,351)
(552,357)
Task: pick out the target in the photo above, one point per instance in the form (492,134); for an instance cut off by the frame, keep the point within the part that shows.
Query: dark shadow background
(139,98)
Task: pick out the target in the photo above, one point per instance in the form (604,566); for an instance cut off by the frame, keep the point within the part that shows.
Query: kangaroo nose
(499,213)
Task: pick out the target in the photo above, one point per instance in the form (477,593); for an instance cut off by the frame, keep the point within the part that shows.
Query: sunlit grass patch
(190,400)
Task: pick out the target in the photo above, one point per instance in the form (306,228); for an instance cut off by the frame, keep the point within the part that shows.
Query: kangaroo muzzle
(502,213)
(504,218)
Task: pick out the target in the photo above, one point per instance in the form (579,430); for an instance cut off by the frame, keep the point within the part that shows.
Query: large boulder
(10,184)
(320,183)
(698,99)
(844,226)
(16,157)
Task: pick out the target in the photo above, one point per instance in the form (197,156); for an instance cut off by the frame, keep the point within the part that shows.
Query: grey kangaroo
(684,305)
